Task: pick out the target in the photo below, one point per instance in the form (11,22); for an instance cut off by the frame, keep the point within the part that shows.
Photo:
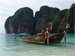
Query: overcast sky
(9,7)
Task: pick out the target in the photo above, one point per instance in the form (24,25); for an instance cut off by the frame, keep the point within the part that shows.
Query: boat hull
(41,38)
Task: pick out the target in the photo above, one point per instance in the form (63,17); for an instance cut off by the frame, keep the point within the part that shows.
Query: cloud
(35,4)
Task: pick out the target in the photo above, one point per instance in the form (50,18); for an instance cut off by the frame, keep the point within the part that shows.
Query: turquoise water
(11,46)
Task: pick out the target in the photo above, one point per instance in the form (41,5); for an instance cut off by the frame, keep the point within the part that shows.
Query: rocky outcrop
(44,16)
(7,26)
(57,20)
(45,10)
(69,18)
(22,20)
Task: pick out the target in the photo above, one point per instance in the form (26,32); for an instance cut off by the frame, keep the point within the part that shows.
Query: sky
(9,7)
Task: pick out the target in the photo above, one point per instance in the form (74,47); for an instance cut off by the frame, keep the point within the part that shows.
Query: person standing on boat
(48,32)
(47,36)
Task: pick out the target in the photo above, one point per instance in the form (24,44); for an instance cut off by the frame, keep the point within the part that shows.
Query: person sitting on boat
(47,36)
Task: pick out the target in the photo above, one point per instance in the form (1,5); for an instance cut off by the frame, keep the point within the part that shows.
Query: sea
(10,45)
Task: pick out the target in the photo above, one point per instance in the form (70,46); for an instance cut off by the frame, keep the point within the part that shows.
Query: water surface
(10,45)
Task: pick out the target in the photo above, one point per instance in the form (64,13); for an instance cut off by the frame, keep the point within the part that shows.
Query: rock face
(69,18)
(57,20)
(22,20)
(44,16)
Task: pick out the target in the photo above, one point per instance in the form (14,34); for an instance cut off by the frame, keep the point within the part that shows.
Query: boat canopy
(23,34)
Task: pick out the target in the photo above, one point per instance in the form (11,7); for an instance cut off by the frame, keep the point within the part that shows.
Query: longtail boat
(40,38)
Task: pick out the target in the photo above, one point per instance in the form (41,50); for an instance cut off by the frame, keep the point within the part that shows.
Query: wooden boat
(40,38)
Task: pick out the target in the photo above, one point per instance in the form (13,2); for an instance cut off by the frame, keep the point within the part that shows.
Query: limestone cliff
(44,16)
(22,20)
(69,18)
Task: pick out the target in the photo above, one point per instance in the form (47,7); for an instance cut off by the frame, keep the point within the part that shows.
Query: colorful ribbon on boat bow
(68,26)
